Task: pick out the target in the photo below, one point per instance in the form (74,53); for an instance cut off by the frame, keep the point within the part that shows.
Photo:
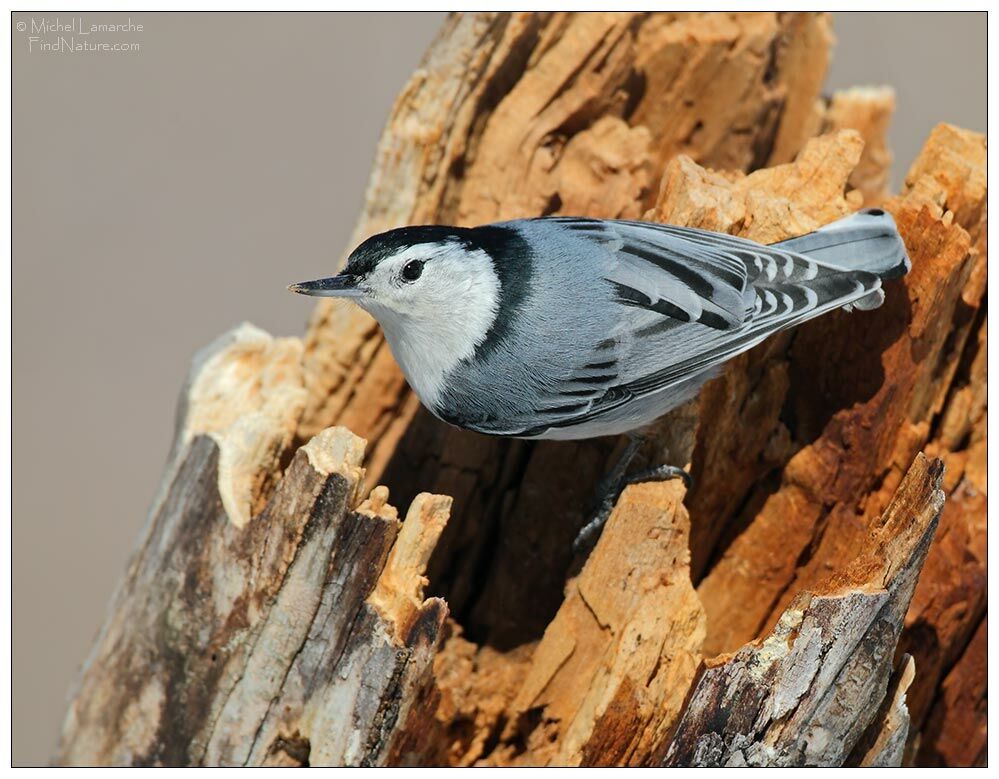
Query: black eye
(412,270)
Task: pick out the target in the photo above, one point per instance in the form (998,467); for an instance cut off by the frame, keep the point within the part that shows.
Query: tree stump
(813,600)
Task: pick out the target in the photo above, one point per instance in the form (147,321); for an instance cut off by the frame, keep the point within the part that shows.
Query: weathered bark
(806,693)
(296,637)
(272,616)
(883,743)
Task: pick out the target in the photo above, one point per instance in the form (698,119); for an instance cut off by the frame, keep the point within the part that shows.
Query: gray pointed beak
(342,286)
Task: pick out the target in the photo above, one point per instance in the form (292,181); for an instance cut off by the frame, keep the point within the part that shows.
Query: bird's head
(414,274)
(435,291)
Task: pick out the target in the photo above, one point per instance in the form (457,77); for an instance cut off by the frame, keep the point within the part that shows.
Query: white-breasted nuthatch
(571,328)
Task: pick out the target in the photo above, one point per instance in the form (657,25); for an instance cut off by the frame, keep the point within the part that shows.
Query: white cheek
(440,319)
(394,293)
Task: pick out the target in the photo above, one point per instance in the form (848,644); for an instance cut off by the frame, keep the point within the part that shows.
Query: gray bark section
(253,645)
(806,693)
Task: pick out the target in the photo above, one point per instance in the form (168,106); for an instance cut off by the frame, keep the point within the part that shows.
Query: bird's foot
(610,492)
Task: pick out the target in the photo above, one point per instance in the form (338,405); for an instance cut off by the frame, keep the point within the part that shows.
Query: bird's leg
(612,485)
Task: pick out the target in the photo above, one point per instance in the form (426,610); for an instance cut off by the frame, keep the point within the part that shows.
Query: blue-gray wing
(684,301)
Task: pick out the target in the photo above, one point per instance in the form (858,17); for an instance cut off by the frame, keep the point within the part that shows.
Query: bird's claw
(590,531)
(660,473)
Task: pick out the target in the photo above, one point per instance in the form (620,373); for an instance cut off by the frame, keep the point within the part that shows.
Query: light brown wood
(278,612)
(867,110)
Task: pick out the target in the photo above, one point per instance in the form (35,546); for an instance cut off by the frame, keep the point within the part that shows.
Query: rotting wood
(547,659)
(888,373)
(293,637)
(883,745)
(950,602)
(868,110)
(805,693)
(614,664)
(956,731)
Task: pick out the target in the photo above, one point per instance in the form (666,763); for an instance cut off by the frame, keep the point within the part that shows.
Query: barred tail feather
(867,240)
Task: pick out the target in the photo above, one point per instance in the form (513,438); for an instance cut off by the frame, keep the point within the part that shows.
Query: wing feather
(690,300)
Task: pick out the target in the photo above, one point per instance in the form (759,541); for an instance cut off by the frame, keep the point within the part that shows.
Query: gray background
(163,196)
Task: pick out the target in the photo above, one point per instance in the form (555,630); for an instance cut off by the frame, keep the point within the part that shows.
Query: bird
(568,328)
